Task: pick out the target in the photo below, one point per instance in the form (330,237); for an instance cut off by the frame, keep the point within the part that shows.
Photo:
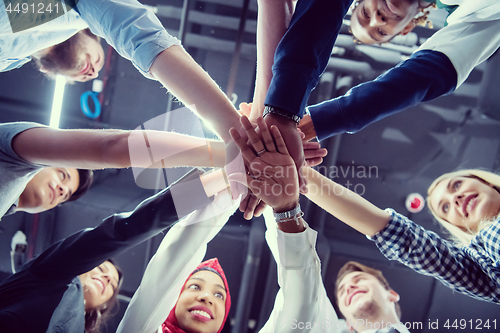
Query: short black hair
(86,179)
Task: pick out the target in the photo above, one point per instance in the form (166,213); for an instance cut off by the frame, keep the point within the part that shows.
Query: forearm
(186,80)
(98,149)
(272,21)
(460,268)
(423,77)
(344,204)
(301,293)
(303,53)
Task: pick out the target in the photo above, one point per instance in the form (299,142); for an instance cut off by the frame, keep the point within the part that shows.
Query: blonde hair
(421,18)
(462,236)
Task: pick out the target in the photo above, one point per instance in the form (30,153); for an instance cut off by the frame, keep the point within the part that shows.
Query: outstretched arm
(425,76)
(272,22)
(344,204)
(185,79)
(97,149)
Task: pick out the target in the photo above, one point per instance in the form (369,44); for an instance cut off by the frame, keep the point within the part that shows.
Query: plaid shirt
(473,270)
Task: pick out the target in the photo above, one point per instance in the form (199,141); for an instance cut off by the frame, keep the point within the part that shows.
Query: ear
(409,27)
(393,296)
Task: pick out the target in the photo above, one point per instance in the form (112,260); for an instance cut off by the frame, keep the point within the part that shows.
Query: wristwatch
(272,110)
(293,214)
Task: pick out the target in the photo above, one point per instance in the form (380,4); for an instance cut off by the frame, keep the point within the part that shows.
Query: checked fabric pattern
(473,270)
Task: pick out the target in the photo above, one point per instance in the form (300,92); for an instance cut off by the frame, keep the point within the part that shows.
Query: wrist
(291,216)
(286,207)
(280,115)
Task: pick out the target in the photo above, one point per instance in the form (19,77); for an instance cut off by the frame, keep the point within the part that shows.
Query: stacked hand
(272,175)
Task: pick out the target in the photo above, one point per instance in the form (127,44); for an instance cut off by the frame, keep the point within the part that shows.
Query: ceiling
(405,153)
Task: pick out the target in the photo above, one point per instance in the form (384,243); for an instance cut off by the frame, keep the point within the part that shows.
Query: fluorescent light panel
(55,115)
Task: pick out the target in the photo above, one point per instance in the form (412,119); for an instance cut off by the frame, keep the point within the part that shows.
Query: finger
(266,135)
(313,153)
(302,134)
(254,138)
(245,149)
(311,145)
(245,109)
(244,203)
(253,201)
(314,161)
(259,209)
(280,143)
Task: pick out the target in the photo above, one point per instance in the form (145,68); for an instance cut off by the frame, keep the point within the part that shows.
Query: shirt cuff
(297,250)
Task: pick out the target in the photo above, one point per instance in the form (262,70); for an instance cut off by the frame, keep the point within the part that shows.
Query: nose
(62,189)
(205,298)
(106,278)
(376,19)
(458,199)
(93,73)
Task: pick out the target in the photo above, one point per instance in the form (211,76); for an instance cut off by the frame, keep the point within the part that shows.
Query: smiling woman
(72,284)
(465,202)
(204,302)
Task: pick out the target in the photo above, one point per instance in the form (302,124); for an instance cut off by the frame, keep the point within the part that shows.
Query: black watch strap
(272,110)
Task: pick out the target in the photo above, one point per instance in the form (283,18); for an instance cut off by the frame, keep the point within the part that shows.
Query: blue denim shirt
(133,30)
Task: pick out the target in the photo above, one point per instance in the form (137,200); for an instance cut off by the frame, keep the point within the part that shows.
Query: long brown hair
(95,318)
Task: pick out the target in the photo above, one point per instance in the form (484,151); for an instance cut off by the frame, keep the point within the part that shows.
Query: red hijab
(171,325)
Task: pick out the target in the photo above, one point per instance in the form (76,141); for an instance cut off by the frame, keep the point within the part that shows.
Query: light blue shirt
(128,26)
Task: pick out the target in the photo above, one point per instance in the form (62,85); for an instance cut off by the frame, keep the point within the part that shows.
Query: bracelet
(287,216)
(272,110)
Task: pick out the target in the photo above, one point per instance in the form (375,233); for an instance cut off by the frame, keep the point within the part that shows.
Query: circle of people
(72,288)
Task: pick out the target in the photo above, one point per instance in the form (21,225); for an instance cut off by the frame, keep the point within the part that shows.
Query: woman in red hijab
(204,302)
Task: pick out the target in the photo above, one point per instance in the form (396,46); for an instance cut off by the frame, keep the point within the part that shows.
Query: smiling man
(378,21)
(366,300)
(79,58)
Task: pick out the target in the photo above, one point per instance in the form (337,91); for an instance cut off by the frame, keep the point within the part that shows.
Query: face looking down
(99,285)
(201,305)
(378,21)
(49,188)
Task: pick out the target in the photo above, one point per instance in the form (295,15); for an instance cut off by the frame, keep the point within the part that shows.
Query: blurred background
(384,163)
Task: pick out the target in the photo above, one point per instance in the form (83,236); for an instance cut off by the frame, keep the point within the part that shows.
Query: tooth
(203,313)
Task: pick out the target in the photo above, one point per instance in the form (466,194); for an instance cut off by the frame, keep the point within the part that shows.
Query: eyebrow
(448,187)
(201,279)
(374,36)
(355,276)
(69,179)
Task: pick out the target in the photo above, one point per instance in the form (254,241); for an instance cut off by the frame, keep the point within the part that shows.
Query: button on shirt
(133,30)
(473,270)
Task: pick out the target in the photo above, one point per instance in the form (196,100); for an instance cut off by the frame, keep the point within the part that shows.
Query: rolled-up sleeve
(132,29)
